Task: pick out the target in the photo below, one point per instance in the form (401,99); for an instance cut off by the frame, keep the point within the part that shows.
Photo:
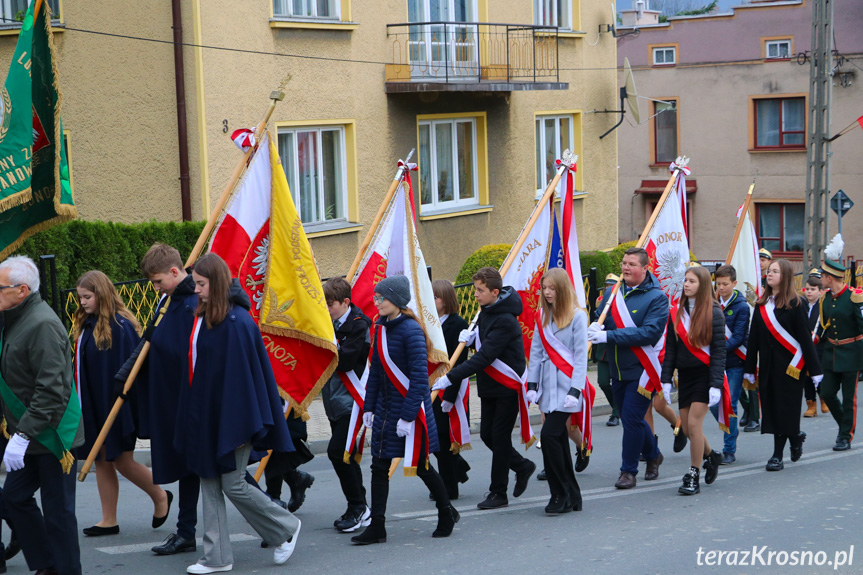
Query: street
(814,506)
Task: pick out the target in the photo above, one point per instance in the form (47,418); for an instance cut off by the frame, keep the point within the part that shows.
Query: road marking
(139,547)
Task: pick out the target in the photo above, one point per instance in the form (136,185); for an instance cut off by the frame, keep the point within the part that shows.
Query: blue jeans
(735,386)
(637,435)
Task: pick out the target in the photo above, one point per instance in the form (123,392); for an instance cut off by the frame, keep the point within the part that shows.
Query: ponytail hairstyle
(565,303)
(110,306)
(214,268)
(701,324)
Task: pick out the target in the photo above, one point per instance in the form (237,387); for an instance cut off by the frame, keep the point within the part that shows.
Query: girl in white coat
(556,377)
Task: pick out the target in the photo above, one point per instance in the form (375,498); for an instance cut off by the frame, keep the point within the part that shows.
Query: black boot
(690,483)
(558,504)
(13,547)
(581,460)
(374,533)
(446,520)
(711,466)
(679,440)
(299,483)
(797,446)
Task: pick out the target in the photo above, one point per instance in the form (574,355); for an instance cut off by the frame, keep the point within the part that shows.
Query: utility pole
(818,148)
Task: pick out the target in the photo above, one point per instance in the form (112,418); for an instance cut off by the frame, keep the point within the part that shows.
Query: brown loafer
(625,481)
(652,471)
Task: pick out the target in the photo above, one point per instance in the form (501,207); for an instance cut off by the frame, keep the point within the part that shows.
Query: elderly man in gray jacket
(43,419)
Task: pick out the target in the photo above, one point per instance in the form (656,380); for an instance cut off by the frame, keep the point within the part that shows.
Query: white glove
(531,395)
(596,333)
(714,396)
(467,336)
(368,417)
(441,384)
(403,428)
(816,380)
(569,401)
(15,450)
(446,406)
(666,392)
(750,377)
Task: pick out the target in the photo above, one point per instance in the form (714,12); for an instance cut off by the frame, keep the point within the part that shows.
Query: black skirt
(693,385)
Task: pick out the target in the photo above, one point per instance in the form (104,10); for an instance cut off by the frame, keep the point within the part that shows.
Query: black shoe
(298,491)
(752,426)
(744,419)
(728,458)
(541,476)
(376,532)
(581,461)
(557,505)
(842,445)
(711,466)
(174,544)
(446,520)
(159,521)
(462,468)
(690,483)
(652,471)
(96,531)
(797,446)
(774,464)
(679,440)
(522,477)
(613,421)
(493,501)
(13,548)
(353,519)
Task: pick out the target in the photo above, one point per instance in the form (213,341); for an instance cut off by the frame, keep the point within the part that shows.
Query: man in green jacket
(43,420)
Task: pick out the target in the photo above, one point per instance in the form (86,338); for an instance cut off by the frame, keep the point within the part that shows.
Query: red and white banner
(745,260)
(571,260)
(647,355)
(356,386)
(785,339)
(668,248)
(680,188)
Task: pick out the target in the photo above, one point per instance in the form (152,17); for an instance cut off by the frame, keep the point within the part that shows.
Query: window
(448,163)
(314,9)
(780,123)
(665,56)
(664,132)
(553,13)
(554,135)
(315,163)
(777,49)
(12,11)
(781,227)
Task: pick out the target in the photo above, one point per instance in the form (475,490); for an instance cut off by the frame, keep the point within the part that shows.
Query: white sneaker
(284,551)
(201,568)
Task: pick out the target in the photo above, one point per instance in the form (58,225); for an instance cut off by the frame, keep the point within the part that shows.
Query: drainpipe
(182,137)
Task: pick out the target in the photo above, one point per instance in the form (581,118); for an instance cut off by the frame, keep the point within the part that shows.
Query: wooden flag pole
(740,224)
(275,97)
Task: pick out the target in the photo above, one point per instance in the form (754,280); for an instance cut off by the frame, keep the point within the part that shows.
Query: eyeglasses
(11,286)
(378,298)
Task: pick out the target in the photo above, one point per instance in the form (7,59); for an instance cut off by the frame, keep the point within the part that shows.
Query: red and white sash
(193,347)
(785,339)
(417,441)
(703,354)
(459,427)
(562,358)
(356,386)
(507,377)
(648,355)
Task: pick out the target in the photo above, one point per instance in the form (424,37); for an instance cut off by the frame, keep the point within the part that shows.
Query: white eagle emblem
(670,270)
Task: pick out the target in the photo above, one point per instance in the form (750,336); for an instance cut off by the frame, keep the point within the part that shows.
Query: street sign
(840,203)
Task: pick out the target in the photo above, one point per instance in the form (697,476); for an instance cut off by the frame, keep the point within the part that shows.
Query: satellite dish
(631,95)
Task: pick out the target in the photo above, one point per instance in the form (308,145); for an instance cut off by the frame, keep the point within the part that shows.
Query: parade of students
(398,408)
(451,465)
(695,347)
(106,333)
(780,347)
(228,406)
(499,365)
(556,378)
(735,311)
(813,291)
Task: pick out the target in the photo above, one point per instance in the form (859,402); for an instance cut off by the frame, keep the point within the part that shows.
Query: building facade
(731,90)
(489,94)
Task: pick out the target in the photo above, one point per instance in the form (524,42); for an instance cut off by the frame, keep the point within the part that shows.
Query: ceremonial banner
(680,188)
(261,237)
(35,193)
(668,249)
(571,260)
(745,260)
(395,250)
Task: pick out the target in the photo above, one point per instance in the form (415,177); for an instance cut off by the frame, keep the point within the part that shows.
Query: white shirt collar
(443,318)
(344,318)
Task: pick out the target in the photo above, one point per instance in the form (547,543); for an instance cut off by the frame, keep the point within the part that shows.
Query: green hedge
(116,249)
(491,255)
(600,261)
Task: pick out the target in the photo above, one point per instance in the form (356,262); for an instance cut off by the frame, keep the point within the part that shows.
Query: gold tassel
(750,386)
(724,428)
(346,457)
(644,392)
(4,430)
(67,461)
(410,471)
(528,444)
(793,372)
(358,457)
(587,452)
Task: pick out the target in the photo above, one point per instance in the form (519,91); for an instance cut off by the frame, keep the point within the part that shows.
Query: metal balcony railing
(452,52)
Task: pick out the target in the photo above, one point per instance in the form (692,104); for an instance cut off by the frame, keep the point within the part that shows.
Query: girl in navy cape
(229,407)
(389,414)
(106,333)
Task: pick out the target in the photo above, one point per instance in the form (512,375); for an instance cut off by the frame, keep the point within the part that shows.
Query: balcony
(472,57)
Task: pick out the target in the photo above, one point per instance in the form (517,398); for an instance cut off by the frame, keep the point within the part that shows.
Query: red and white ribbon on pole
(406,176)
(681,193)
(459,427)
(571,261)
(768,314)
(244,138)
(648,355)
(356,386)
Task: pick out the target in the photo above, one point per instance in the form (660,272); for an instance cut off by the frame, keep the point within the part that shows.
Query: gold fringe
(793,372)
(346,457)
(410,471)
(16,200)
(302,408)
(750,386)
(457,447)
(644,392)
(10,249)
(358,457)
(529,443)
(587,452)
(67,461)
(3,429)
(724,428)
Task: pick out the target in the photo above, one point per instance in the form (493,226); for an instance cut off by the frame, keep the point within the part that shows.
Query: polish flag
(668,248)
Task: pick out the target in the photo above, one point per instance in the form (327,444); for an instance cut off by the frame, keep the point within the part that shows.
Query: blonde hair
(565,302)
(109,305)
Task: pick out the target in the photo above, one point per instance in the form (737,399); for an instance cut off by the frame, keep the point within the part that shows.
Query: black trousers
(556,457)
(350,475)
(381,485)
(809,391)
(497,420)
(49,540)
(451,465)
(187,519)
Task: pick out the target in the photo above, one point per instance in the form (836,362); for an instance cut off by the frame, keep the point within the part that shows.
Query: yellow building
(490,93)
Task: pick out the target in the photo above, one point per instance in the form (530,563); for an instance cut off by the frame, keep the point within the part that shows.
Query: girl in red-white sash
(695,347)
(780,347)
(556,378)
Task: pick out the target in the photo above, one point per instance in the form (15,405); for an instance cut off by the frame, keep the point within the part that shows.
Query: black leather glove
(576,393)
(532,386)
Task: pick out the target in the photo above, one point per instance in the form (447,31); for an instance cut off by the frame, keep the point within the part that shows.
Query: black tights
(779,444)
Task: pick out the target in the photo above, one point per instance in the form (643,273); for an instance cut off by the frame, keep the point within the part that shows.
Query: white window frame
(284,9)
(7,18)
(457,201)
(562,21)
(292,173)
(665,50)
(777,43)
(540,145)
